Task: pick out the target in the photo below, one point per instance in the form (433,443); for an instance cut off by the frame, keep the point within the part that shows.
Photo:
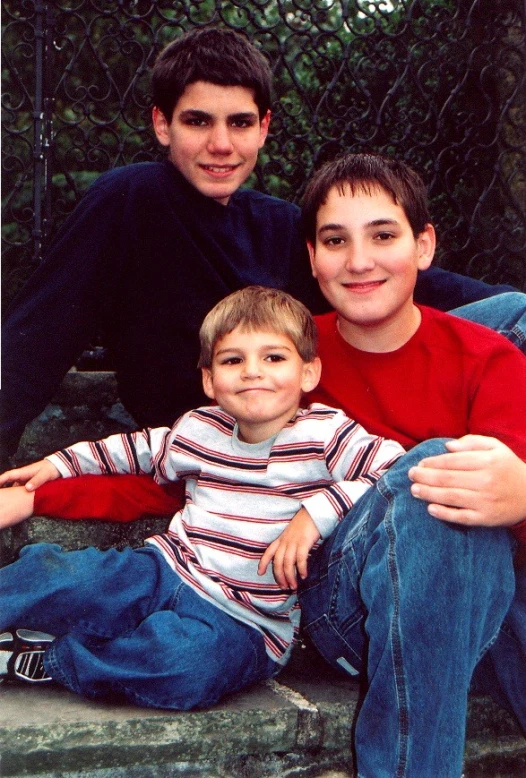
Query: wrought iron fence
(439,82)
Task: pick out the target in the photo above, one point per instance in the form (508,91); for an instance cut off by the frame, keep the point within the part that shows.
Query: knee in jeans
(397,477)
(429,448)
(45,555)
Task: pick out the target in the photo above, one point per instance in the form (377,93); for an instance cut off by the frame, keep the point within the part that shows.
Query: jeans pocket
(343,650)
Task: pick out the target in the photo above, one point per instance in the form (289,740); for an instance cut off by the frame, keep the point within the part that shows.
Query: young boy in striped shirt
(265,482)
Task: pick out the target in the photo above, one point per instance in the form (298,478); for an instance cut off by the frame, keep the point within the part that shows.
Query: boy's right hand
(32,476)
(290,551)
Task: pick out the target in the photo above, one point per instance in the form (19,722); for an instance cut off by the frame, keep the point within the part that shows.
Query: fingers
(472,443)
(457,506)
(446,479)
(284,567)
(288,561)
(47,472)
(454,515)
(290,551)
(482,486)
(266,559)
(467,453)
(462,460)
(18,475)
(445,496)
(32,476)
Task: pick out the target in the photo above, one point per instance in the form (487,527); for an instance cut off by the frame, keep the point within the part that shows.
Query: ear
(208,383)
(312,254)
(263,128)
(160,126)
(426,242)
(311,375)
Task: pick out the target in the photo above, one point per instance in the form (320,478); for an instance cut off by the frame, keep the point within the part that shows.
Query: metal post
(38,123)
(42,127)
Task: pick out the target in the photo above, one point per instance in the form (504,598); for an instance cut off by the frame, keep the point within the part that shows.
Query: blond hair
(259,308)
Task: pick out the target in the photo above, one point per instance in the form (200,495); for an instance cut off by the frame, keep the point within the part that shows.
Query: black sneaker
(22,656)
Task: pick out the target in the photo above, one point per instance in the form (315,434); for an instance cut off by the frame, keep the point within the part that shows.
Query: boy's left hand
(289,552)
(480,482)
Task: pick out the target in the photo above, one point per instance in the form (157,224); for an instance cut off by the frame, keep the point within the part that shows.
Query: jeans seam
(396,646)
(52,665)
(489,643)
(518,335)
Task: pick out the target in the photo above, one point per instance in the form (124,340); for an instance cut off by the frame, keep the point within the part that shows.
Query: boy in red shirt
(403,370)
(415,605)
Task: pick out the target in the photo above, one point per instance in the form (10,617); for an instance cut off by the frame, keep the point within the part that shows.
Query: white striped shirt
(241,496)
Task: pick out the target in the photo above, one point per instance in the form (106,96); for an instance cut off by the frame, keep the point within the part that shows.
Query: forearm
(121,498)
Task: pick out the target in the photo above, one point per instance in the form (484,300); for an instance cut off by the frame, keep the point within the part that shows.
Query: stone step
(297,725)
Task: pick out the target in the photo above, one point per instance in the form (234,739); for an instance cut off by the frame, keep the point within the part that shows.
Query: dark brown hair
(366,172)
(219,56)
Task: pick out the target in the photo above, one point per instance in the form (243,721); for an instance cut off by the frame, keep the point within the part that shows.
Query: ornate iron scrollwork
(431,80)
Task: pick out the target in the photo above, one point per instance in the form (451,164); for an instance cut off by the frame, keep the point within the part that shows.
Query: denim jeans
(504,313)
(410,604)
(127,626)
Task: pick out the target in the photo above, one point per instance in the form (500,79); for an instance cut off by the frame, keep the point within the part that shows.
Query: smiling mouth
(363,286)
(220,170)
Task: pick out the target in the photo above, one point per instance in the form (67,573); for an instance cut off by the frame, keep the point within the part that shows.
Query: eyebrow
(266,346)
(194,113)
(374,223)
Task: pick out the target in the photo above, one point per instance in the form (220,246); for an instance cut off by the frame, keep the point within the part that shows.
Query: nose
(219,140)
(251,368)
(358,259)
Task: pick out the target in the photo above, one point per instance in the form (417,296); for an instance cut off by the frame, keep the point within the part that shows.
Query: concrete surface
(296,726)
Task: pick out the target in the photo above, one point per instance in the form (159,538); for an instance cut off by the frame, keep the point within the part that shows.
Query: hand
(290,550)
(480,482)
(32,476)
(16,505)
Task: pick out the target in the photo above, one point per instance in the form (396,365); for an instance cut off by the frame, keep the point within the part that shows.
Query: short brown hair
(365,172)
(214,54)
(258,308)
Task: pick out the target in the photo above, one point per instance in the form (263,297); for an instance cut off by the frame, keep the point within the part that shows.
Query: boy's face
(258,377)
(214,137)
(366,260)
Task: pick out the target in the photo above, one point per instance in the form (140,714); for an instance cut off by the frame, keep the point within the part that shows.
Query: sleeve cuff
(322,513)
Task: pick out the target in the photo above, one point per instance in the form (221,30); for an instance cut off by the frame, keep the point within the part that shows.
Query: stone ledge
(301,728)
(299,725)
(86,406)
(73,535)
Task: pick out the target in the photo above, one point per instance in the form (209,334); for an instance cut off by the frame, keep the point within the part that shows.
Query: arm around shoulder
(445,290)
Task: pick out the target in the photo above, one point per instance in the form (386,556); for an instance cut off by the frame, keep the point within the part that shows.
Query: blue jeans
(127,626)
(504,313)
(410,604)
